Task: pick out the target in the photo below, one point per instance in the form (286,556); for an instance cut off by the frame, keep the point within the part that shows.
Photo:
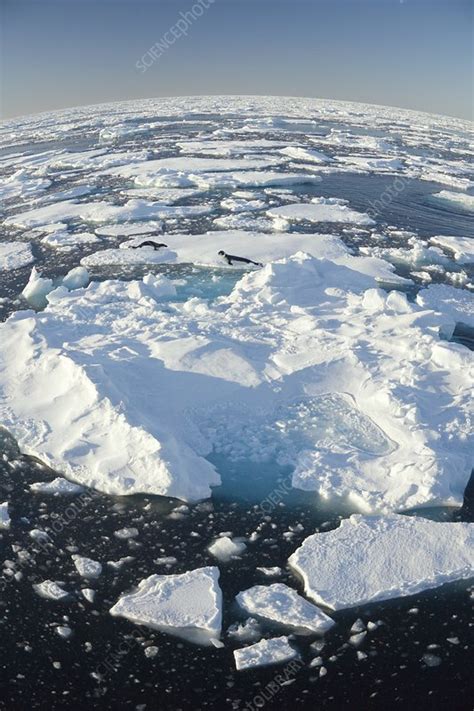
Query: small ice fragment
(64,631)
(270,572)
(4,516)
(224,549)
(263,653)
(431,660)
(86,567)
(151,652)
(361,656)
(357,639)
(358,626)
(39,536)
(248,631)
(76,278)
(125,533)
(50,590)
(58,486)
(88,594)
(37,289)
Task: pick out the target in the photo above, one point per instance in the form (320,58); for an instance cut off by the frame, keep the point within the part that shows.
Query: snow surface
(15,255)
(377,412)
(321,210)
(374,558)
(264,653)
(281,604)
(188,605)
(56,487)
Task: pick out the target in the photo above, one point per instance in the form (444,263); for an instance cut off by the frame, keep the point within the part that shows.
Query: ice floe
(461,247)
(15,255)
(51,590)
(86,567)
(282,605)
(450,199)
(374,413)
(321,210)
(264,653)
(372,558)
(225,548)
(188,605)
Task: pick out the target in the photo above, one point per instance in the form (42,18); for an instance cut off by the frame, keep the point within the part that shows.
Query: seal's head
(221,253)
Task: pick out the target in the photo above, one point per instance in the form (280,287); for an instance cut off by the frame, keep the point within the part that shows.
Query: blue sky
(411,53)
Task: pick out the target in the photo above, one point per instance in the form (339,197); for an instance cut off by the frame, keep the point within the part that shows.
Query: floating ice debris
(273,572)
(321,210)
(224,548)
(14,255)
(264,653)
(5,520)
(188,605)
(357,639)
(67,240)
(64,631)
(86,567)
(125,533)
(461,247)
(151,652)
(450,199)
(50,590)
(281,604)
(88,594)
(39,536)
(76,278)
(58,486)
(371,558)
(358,626)
(118,564)
(248,631)
(431,660)
(37,289)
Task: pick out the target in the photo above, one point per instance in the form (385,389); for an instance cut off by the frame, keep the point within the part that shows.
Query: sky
(409,53)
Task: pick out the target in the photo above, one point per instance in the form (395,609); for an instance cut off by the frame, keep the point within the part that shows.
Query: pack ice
(125,394)
(188,605)
(373,558)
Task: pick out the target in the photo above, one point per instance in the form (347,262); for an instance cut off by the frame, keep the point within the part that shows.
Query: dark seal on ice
(231,258)
(149,243)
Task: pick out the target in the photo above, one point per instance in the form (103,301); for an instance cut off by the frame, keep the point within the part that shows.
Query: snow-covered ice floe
(461,247)
(375,407)
(264,653)
(86,567)
(320,210)
(14,255)
(188,605)
(282,605)
(455,306)
(51,590)
(56,487)
(373,558)
(455,200)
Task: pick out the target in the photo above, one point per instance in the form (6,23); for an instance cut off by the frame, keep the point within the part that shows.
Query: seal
(231,258)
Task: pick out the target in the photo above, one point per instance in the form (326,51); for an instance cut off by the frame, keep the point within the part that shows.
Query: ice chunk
(37,289)
(281,604)
(76,278)
(14,255)
(64,631)
(248,631)
(307,155)
(188,605)
(4,517)
(51,590)
(86,567)
(88,594)
(462,247)
(371,558)
(264,653)
(57,486)
(450,199)
(224,549)
(67,240)
(454,306)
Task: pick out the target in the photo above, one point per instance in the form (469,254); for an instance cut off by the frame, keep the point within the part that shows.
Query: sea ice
(188,605)
(224,548)
(57,486)
(320,210)
(372,558)
(281,604)
(50,590)
(462,247)
(69,240)
(37,289)
(86,567)
(450,199)
(4,517)
(264,653)
(15,255)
